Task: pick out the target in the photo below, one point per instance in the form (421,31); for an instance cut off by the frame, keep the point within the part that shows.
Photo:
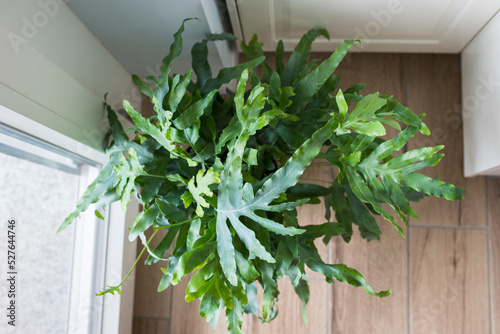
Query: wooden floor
(445,275)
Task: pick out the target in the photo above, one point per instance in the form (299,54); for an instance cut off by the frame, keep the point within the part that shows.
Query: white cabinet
(481,102)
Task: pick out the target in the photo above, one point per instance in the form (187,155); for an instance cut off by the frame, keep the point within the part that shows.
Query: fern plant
(220,173)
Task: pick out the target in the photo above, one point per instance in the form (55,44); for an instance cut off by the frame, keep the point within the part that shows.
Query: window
(56,274)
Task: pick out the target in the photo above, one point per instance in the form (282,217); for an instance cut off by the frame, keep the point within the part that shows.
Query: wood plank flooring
(449,281)
(382,263)
(445,275)
(148,302)
(434,89)
(494,246)
(384,266)
(289,319)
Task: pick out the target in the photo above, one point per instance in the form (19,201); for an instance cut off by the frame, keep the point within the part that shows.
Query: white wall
(54,71)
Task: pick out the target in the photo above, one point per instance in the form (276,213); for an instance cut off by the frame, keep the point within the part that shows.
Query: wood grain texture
(449,281)
(148,302)
(381,72)
(384,265)
(434,89)
(314,214)
(449,273)
(147,325)
(494,223)
(289,319)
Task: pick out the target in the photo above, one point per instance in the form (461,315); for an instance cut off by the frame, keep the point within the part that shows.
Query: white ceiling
(138,33)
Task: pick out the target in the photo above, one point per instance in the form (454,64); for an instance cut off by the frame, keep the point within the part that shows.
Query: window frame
(117,309)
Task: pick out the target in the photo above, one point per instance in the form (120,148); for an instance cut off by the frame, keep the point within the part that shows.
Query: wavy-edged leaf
(199,54)
(163,246)
(338,272)
(192,260)
(362,217)
(143,86)
(170,211)
(311,83)
(127,172)
(284,258)
(300,55)
(229,73)
(252,307)
(200,283)
(407,116)
(270,286)
(306,190)
(178,91)
(236,200)
(302,290)
(119,136)
(161,133)
(363,119)
(145,125)
(175,47)
(105,181)
(367,106)
(199,63)
(211,303)
(143,221)
(193,112)
(379,177)
(254,50)
(234,318)
(196,192)
(245,268)
(325,229)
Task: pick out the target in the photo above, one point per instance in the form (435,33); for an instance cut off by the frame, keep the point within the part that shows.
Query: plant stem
(136,260)
(152,175)
(195,151)
(157,228)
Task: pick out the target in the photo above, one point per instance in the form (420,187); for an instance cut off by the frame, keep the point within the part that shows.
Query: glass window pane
(38,188)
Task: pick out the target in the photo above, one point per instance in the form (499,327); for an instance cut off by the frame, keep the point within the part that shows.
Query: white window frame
(117,310)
